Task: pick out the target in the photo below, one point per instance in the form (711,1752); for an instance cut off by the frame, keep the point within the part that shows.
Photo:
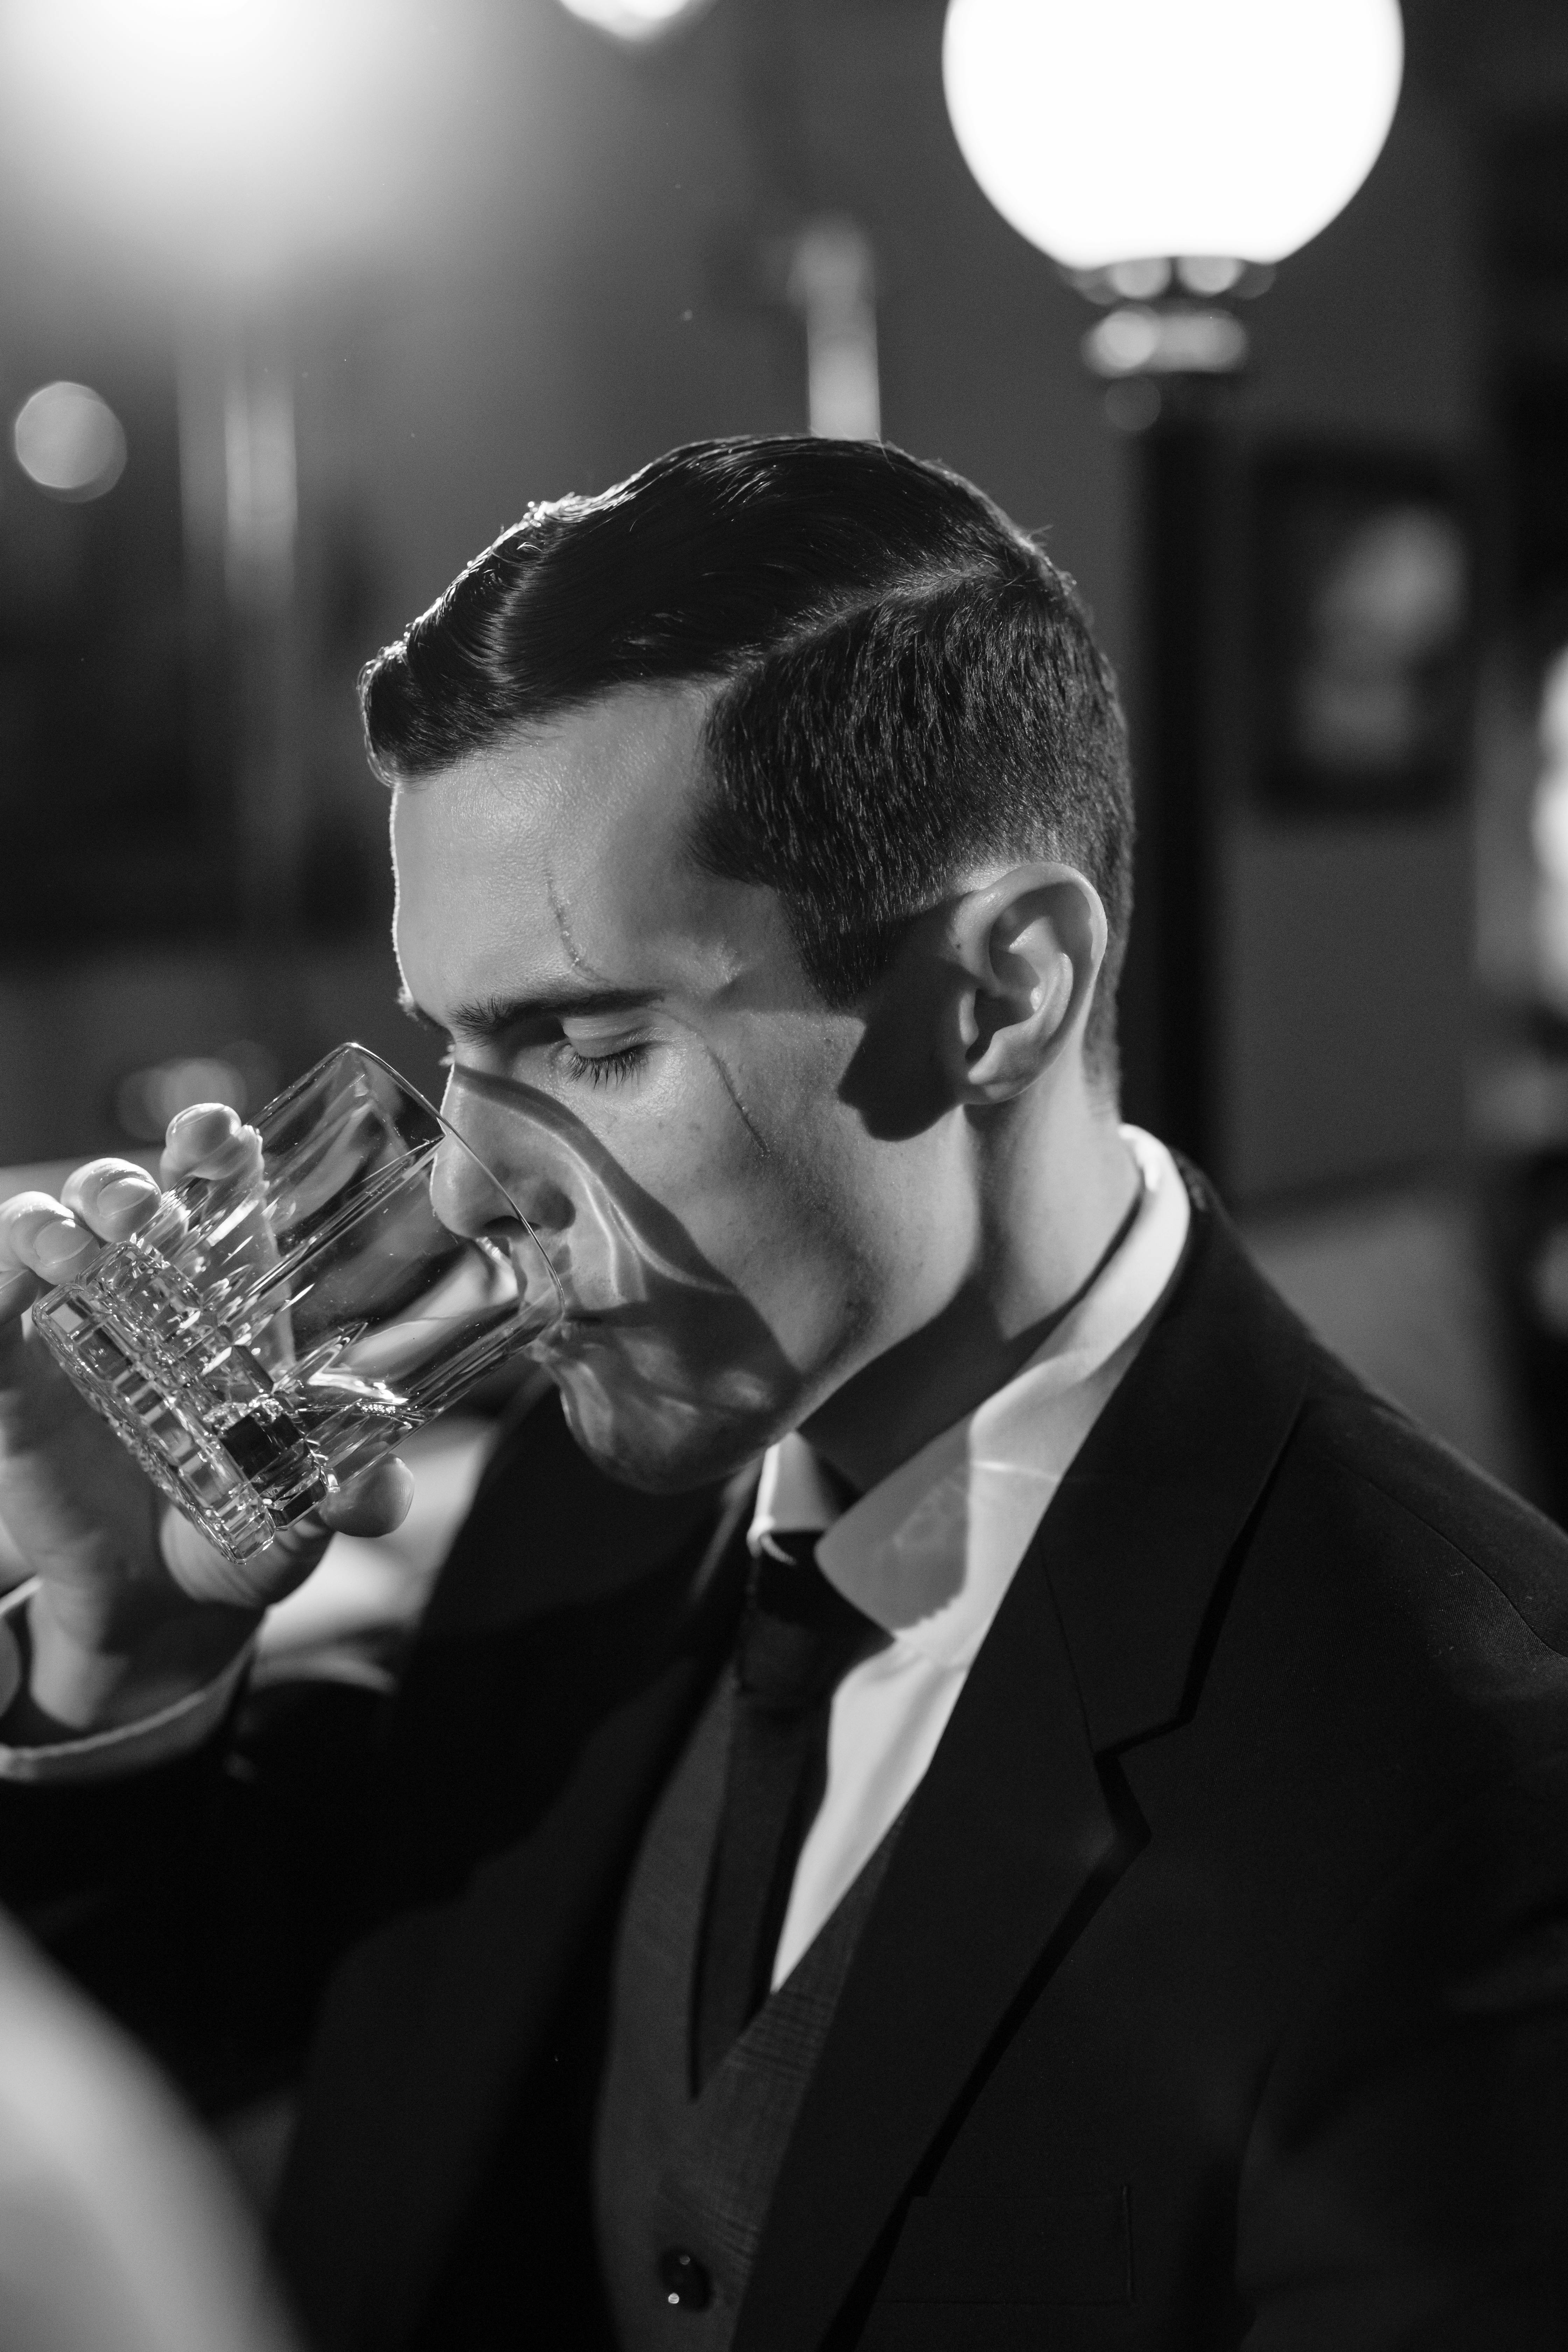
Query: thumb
(371,1505)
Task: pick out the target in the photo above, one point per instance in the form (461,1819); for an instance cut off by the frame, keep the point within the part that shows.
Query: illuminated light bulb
(1115,131)
(636,20)
(69,441)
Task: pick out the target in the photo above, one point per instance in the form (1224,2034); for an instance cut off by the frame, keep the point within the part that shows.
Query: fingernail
(127,1192)
(59,1247)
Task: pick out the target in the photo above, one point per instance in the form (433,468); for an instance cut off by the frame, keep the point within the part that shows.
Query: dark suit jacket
(1217,1993)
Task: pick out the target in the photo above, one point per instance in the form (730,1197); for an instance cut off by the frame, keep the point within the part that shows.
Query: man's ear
(1026,949)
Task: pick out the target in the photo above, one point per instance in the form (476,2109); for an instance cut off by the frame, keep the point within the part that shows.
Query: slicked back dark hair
(907,687)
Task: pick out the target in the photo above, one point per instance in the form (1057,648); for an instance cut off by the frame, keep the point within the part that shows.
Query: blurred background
(302,301)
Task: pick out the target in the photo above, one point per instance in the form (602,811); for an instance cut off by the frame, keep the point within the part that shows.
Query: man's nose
(477,1193)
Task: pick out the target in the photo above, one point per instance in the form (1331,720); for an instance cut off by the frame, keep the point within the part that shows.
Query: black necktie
(798,1639)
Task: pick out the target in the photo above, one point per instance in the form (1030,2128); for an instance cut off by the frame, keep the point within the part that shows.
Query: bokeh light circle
(68,440)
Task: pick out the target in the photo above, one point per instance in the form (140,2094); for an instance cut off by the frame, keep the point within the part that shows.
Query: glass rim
(447,1131)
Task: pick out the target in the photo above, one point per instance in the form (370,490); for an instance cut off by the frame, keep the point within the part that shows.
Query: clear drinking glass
(267,1335)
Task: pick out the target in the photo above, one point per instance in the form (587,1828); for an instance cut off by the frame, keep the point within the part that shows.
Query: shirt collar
(929,1552)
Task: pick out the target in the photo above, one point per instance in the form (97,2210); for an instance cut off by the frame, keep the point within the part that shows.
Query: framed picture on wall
(1365,577)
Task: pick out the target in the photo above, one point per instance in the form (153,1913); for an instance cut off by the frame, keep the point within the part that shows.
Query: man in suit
(1073,1850)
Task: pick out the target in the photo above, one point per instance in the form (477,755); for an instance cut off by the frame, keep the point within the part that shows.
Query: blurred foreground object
(116,2232)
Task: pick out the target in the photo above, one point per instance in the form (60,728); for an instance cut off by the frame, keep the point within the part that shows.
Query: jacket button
(685,2281)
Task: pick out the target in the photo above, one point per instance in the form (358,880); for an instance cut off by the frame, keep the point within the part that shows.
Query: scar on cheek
(730,1088)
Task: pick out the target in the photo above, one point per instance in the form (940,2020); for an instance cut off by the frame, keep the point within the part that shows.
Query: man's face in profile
(639,1057)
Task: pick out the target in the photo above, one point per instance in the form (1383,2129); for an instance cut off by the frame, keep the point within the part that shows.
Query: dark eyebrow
(489,1016)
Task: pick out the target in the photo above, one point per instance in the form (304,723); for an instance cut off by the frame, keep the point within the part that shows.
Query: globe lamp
(1128,132)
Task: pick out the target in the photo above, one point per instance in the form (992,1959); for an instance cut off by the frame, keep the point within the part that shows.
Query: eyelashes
(588,1069)
(600,1070)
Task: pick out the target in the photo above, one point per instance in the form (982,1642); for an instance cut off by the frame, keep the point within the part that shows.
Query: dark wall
(1345,946)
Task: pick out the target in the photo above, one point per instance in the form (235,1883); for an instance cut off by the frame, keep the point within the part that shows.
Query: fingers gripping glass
(271,1333)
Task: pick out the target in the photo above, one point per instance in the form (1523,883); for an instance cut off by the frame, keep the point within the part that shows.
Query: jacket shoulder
(1386,1480)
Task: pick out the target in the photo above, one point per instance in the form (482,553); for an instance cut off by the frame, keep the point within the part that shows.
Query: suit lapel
(1013,1840)
(1008,1847)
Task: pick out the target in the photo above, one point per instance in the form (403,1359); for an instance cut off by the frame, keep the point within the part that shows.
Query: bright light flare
(179,81)
(637,21)
(1109,130)
(1549,834)
(1550,820)
(223,126)
(69,441)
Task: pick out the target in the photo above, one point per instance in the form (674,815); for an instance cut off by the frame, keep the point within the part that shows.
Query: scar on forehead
(577,960)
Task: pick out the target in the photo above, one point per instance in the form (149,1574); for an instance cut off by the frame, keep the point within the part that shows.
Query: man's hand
(134,1608)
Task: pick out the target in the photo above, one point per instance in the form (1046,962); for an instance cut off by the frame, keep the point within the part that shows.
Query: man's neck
(1058,1207)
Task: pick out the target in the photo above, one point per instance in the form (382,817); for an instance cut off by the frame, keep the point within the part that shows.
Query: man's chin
(661,1445)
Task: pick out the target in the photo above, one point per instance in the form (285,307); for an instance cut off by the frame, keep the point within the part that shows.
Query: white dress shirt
(928,1553)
